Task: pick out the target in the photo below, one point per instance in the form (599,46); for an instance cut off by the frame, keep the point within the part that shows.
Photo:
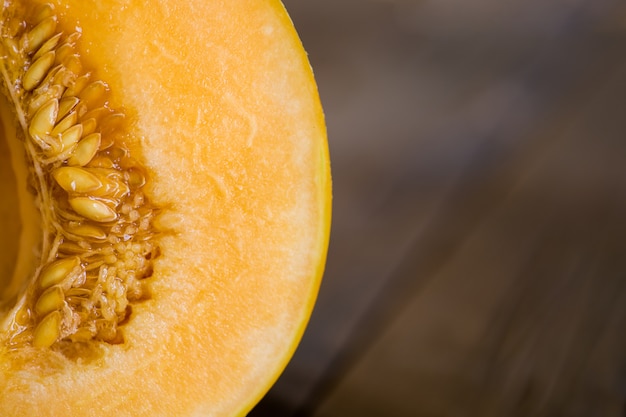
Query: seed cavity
(97,224)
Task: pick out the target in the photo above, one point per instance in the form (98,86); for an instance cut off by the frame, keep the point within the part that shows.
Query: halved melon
(165,205)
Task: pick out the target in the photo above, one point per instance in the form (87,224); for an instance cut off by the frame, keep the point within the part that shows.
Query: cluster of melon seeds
(97,245)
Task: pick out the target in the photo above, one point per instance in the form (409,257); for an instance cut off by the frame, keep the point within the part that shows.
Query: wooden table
(478,257)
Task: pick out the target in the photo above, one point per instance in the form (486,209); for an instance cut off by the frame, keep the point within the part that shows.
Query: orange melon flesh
(226,117)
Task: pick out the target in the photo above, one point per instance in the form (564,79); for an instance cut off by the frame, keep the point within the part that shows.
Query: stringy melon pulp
(222,118)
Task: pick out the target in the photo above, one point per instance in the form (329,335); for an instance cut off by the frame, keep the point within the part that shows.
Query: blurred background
(477,263)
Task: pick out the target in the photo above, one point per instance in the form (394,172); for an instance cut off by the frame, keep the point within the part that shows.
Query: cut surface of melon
(221,114)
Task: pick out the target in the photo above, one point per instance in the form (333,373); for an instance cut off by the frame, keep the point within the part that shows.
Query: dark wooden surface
(477,264)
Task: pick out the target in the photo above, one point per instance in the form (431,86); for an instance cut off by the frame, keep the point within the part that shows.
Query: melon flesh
(226,119)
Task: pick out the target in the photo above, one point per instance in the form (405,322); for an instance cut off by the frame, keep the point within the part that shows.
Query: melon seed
(74,179)
(44,120)
(66,105)
(48,330)
(55,272)
(52,299)
(54,92)
(94,94)
(48,46)
(65,123)
(71,136)
(93,209)
(85,150)
(37,71)
(88,231)
(40,34)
